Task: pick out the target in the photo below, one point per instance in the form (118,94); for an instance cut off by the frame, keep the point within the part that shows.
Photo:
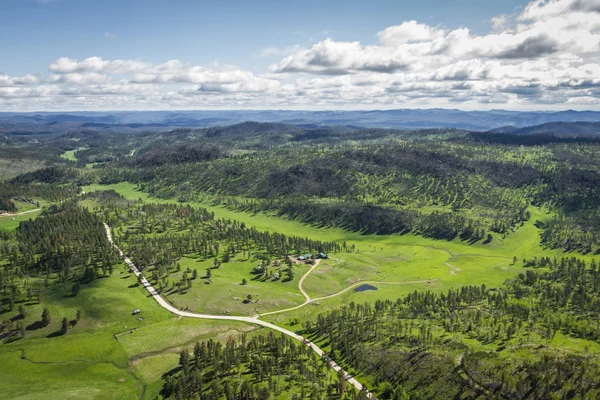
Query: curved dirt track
(309,300)
(251,320)
(19,213)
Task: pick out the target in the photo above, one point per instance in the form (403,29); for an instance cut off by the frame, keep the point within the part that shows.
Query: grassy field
(109,353)
(133,363)
(70,154)
(225,293)
(9,222)
(379,258)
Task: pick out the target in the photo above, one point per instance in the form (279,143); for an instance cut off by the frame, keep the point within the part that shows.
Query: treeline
(329,185)
(417,344)
(577,232)
(178,154)
(10,191)
(423,182)
(66,243)
(260,368)
(374,219)
(50,175)
(185,229)
(157,236)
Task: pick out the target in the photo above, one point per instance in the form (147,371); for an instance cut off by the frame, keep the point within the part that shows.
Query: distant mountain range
(560,128)
(494,120)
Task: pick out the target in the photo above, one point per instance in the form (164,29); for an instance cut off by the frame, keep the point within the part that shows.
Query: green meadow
(109,353)
(112,354)
(9,222)
(395,264)
(225,293)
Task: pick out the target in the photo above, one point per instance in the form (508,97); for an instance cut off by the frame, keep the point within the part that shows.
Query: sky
(67,55)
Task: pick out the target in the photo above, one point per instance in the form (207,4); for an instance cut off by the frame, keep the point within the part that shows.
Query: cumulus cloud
(407,32)
(338,58)
(500,22)
(546,55)
(6,80)
(531,47)
(543,9)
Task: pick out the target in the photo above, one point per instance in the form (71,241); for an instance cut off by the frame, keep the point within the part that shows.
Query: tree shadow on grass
(13,337)
(34,326)
(56,334)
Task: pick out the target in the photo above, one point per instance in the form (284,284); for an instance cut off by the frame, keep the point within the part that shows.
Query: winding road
(307,299)
(19,213)
(251,320)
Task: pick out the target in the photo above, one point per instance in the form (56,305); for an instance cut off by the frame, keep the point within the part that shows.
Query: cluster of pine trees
(370,188)
(66,243)
(157,236)
(258,368)
(10,191)
(394,342)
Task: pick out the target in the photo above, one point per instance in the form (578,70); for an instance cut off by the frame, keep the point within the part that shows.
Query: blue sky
(228,31)
(272,49)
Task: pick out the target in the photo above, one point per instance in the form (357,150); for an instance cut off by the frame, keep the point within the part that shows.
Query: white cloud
(544,9)
(407,32)
(6,80)
(500,22)
(110,35)
(547,55)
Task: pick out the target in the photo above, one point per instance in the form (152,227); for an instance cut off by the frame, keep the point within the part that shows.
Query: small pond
(363,288)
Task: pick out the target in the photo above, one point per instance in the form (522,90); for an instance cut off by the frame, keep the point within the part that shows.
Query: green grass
(94,360)
(70,154)
(225,293)
(379,258)
(23,379)
(9,222)
(390,258)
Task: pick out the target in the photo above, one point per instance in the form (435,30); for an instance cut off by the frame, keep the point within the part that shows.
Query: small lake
(363,288)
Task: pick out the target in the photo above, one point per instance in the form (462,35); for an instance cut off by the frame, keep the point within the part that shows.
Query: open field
(225,293)
(70,154)
(9,222)
(379,258)
(109,353)
(110,362)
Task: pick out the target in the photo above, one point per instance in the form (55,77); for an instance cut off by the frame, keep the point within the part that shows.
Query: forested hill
(554,128)
(431,186)
(438,183)
(490,240)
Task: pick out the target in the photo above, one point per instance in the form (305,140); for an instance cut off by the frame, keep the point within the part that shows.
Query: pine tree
(46,317)
(184,361)
(64,326)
